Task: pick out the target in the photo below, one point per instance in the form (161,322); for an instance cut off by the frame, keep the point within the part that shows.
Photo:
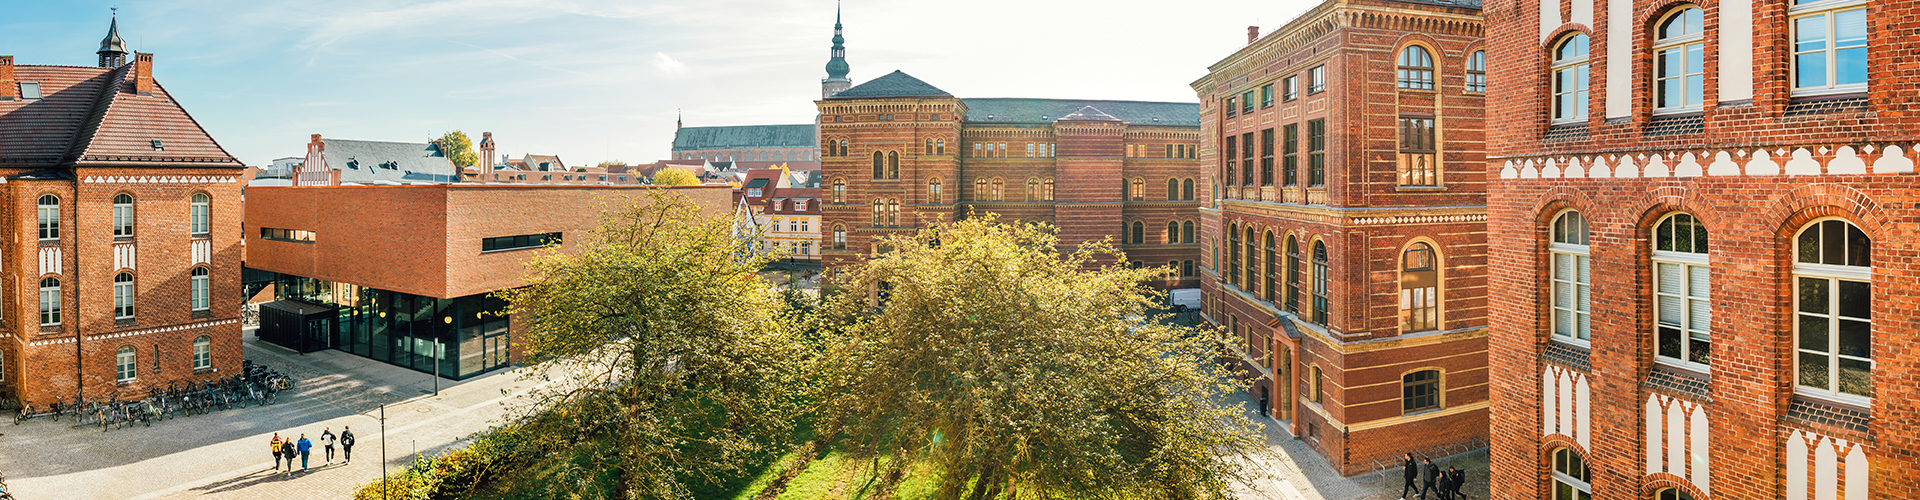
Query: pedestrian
(1446,485)
(1428,477)
(275,444)
(305,446)
(326,441)
(289,451)
(1459,481)
(1412,472)
(346,443)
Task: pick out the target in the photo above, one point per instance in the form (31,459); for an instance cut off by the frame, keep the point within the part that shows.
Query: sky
(595,80)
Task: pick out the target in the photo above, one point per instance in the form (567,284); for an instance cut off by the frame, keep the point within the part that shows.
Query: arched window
(1313,390)
(202,214)
(1233,255)
(1419,289)
(126,362)
(203,353)
(50,301)
(1292,279)
(893,164)
(879,165)
(998,192)
(1186,189)
(123,296)
(1420,391)
(1572,300)
(1033,189)
(893,211)
(122,215)
(49,217)
(1570,79)
(1186,232)
(878,212)
(1173,232)
(1570,476)
(1266,263)
(940,146)
(1253,266)
(839,237)
(928,148)
(1678,68)
(1322,284)
(1682,309)
(1673,494)
(1173,189)
(933,191)
(839,190)
(199,285)
(1139,233)
(1046,189)
(1477,71)
(980,190)
(1139,191)
(845,149)
(1416,68)
(1833,288)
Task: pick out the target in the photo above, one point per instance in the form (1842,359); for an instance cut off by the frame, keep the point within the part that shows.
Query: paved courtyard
(224,454)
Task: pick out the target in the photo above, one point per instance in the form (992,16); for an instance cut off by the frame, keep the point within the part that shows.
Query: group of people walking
(1445,484)
(289,449)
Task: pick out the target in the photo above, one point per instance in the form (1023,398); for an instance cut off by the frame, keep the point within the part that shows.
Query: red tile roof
(93,116)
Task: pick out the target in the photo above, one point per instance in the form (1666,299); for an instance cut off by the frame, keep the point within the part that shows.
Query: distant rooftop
(1038,111)
(895,84)
(743,137)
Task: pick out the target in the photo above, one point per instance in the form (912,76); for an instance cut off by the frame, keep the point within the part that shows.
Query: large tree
(670,363)
(1020,371)
(459,149)
(674,177)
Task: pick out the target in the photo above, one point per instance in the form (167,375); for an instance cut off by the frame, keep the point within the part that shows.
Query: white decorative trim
(163,179)
(202,251)
(1566,404)
(50,261)
(1680,428)
(163,329)
(1827,477)
(124,256)
(1419,219)
(1833,159)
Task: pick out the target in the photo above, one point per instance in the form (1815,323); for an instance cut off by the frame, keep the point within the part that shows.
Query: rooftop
(1041,111)
(94,116)
(895,84)
(744,136)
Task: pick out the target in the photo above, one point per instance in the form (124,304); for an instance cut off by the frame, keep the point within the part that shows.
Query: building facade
(1344,233)
(122,271)
(1742,172)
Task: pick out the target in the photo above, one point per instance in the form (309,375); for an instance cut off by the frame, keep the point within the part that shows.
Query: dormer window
(157,146)
(779,205)
(800,205)
(30,91)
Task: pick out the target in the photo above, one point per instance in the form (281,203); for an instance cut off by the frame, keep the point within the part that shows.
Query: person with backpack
(305,446)
(326,441)
(1428,477)
(1412,473)
(346,443)
(275,445)
(288,451)
(1459,480)
(1446,485)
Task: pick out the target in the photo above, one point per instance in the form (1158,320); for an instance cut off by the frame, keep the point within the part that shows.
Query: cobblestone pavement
(224,454)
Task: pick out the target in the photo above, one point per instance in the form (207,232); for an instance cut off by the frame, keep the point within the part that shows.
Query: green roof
(895,84)
(1041,111)
(744,136)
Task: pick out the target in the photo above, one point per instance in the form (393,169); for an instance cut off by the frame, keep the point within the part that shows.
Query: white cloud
(667,64)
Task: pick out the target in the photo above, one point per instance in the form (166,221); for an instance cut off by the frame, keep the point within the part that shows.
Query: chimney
(1253,34)
(8,91)
(143,73)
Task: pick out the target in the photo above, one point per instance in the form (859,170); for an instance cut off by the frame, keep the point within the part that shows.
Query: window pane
(1810,245)
(1669,342)
(1672,281)
(1670,312)
(1699,315)
(1856,377)
(1813,371)
(1699,351)
(1697,281)
(1810,33)
(1811,70)
(1833,242)
(1856,339)
(1813,295)
(1853,299)
(1813,333)
(1583,276)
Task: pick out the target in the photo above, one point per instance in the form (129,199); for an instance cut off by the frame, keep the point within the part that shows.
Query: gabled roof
(895,84)
(744,136)
(375,161)
(93,115)
(1042,111)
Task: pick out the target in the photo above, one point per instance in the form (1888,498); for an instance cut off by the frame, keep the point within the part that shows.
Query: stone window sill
(1420,189)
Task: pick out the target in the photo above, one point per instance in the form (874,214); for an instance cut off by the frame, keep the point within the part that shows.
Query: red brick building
(1743,174)
(1344,240)
(899,154)
(122,271)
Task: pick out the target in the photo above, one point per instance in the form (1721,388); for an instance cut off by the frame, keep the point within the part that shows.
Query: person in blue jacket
(305,447)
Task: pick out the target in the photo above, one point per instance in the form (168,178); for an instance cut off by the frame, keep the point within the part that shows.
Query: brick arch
(1549,204)
(1805,203)
(1656,204)
(1561,33)
(1553,441)
(1660,480)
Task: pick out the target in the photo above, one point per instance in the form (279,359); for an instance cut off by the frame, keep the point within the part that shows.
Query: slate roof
(93,116)
(1090,114)
(1471,4)
(744,136)
(367,162)
(895,84)
(1041,111)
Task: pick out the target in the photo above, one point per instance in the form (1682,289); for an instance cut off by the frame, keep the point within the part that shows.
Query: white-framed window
(1416,68)
(123,214)
(1682,308)
(1829,46)
(1833,318)
(203,353)
(202,213)
(1572,295)
(1477,71)
(1316,80)
(1678,69)
(49,217)
(123,296)
(50,301)
(199,285)
(1570,79)
(1570,476)
(1289,88)
(125,361)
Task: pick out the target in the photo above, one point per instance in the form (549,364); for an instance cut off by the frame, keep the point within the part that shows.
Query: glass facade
(467,335)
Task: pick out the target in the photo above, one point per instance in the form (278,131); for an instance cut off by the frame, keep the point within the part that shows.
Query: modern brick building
(1702,247)
(1344,236)
(122,269)
(409,267)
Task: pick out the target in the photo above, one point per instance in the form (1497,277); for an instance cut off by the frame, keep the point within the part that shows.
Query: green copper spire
(837,66)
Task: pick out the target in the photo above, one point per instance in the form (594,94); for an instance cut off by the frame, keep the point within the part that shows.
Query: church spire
(113,50)
(836,80)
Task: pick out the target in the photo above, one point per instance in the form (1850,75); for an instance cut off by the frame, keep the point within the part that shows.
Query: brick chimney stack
(143,73)
(1253,34)
(8,91)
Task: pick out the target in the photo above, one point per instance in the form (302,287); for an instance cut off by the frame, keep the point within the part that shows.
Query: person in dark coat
(1412,473)
(1429,479)
(1459,480)
(289,451)
(346,443)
